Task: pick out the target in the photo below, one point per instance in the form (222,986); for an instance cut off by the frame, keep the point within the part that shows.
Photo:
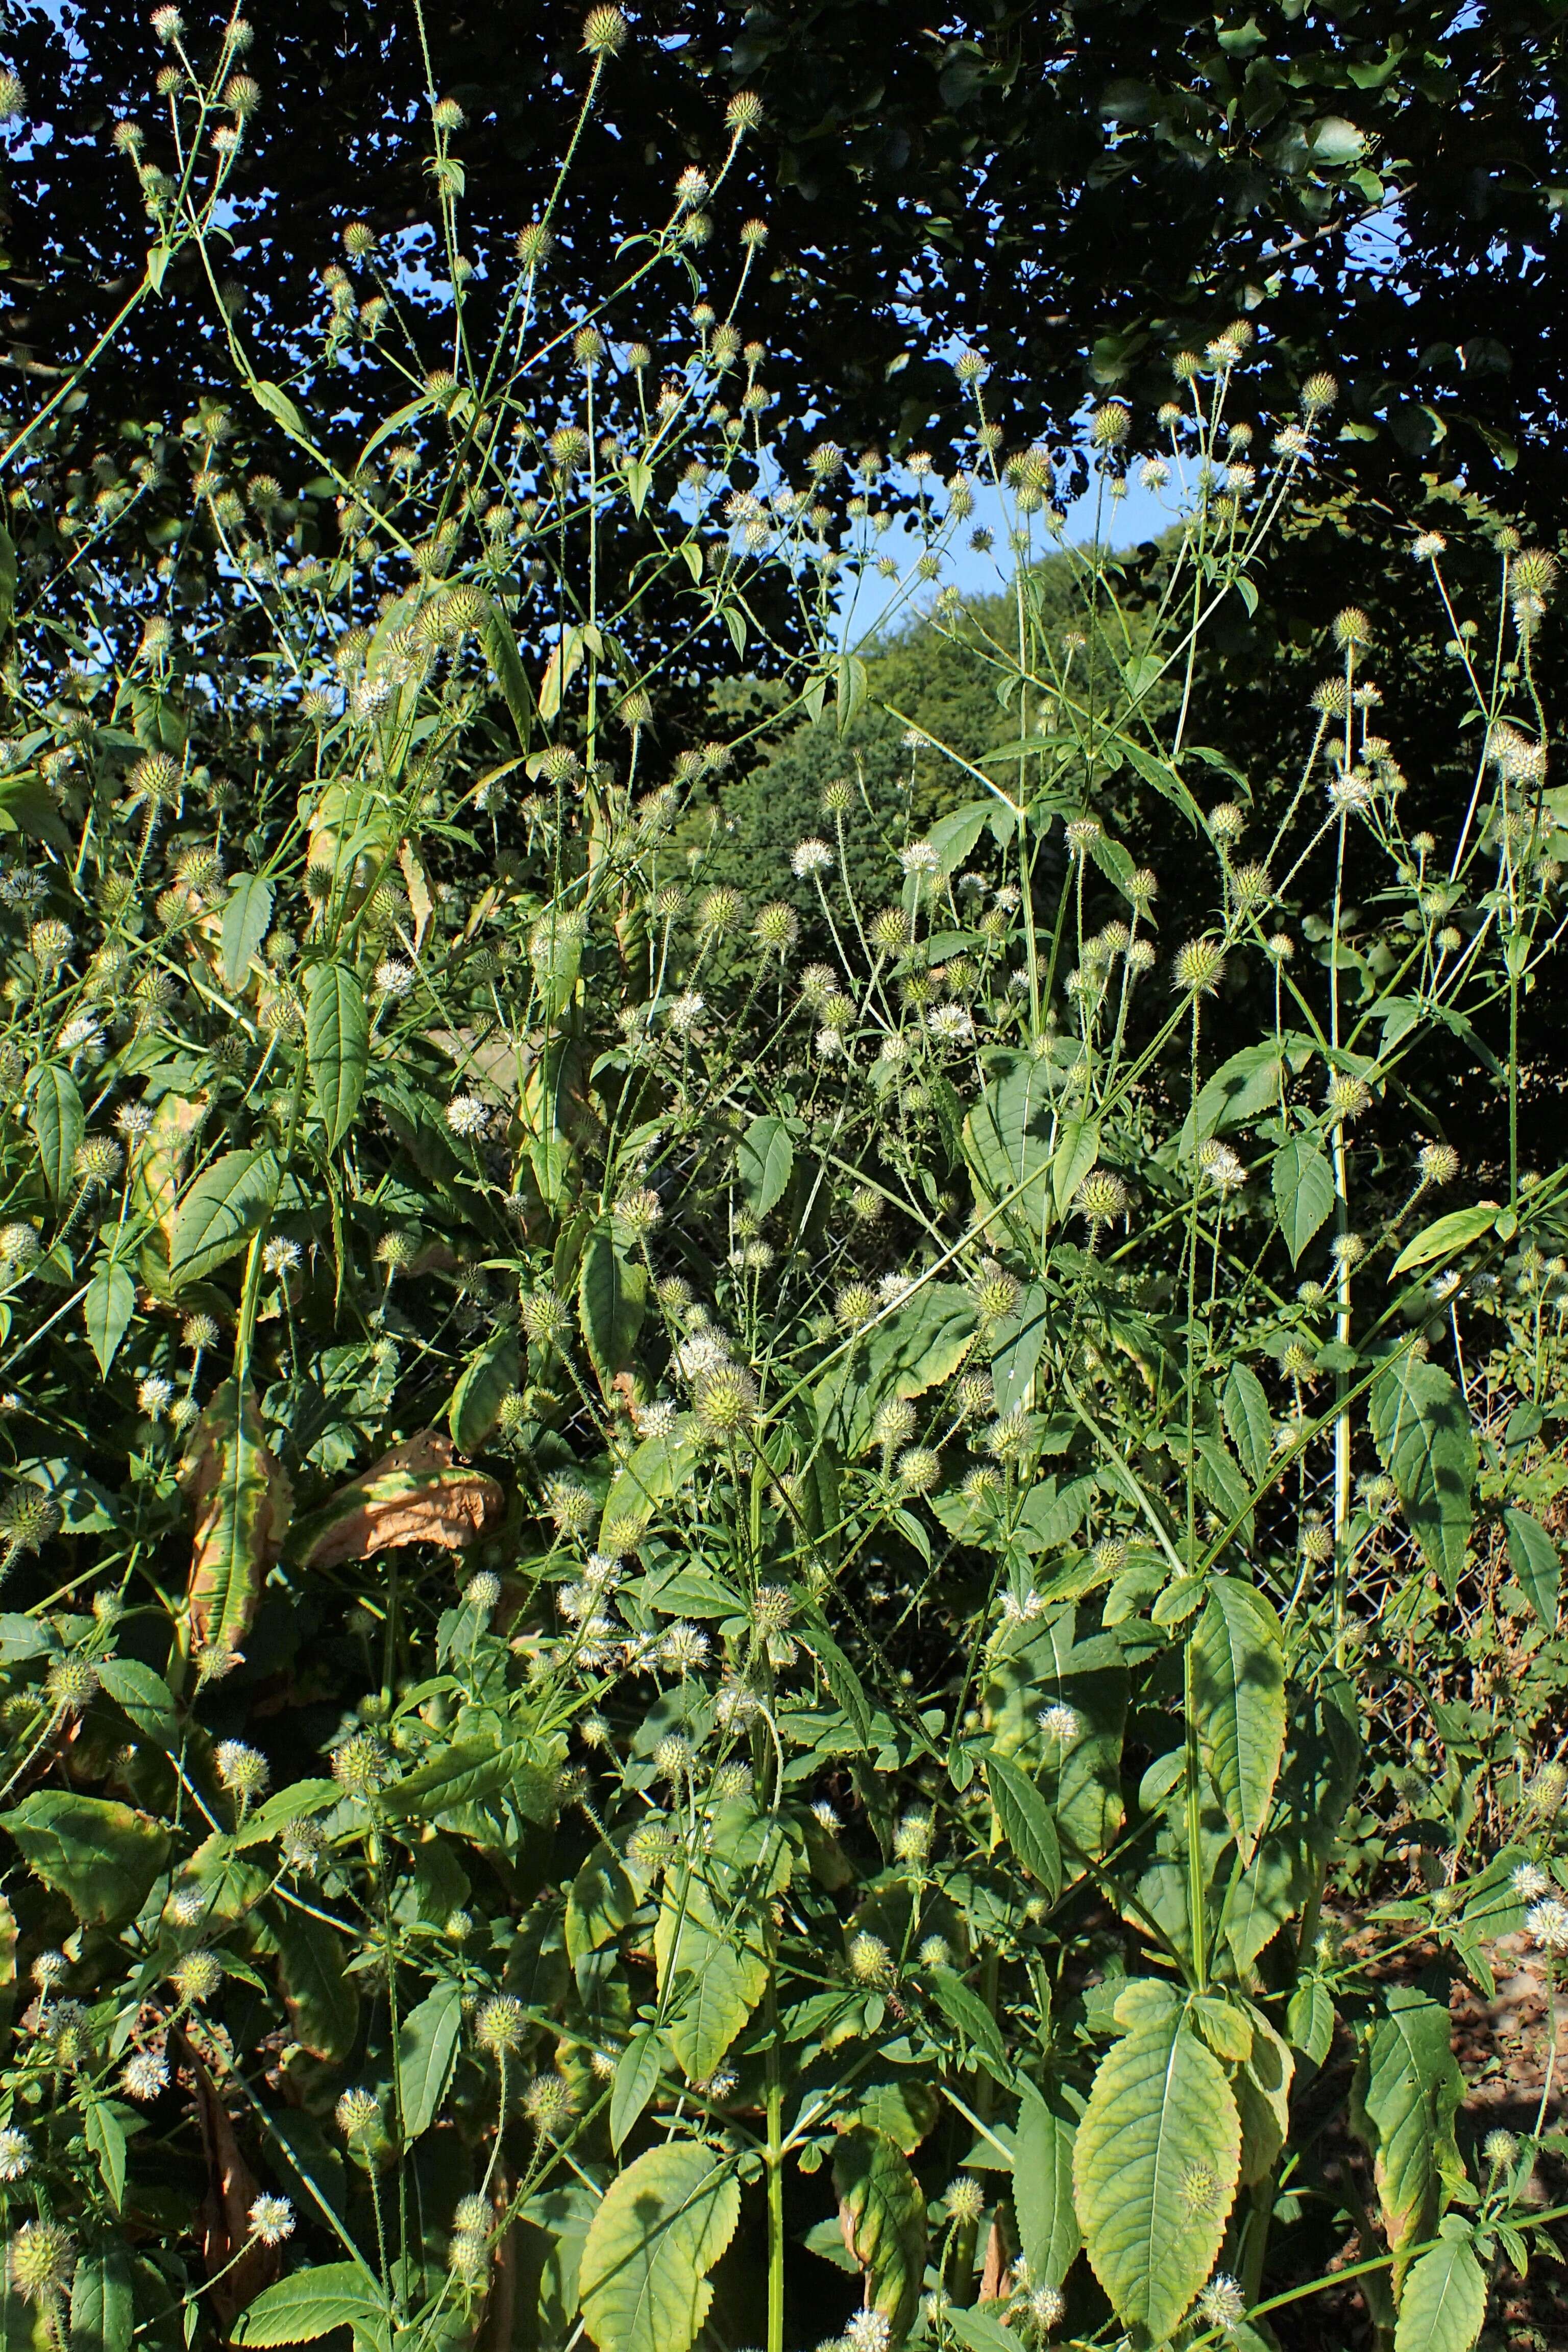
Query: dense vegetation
(783,1505)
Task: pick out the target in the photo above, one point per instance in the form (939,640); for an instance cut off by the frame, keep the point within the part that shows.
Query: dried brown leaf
(413,1495)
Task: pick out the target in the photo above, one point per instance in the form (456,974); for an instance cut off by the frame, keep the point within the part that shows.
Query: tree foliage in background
(816,1618)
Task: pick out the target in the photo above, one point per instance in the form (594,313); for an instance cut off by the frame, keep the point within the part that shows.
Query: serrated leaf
(966,2009)
(246,921)
(1007,1143)
(1025,1821)
(1049,2234)
(1239,1696)
(1017,1345)
(58,1123)
(612,1296)
(102,1856)
(227,1202)
(1303,1187)
(501,653)
(103,2302)
(662,2225)
(488,1378)
(105,2135)
(765,1161)
(1154,2171)
(1262,2087)
(310,2303)
(953,836)
(106,1310)
(426,2051)
(242,1502)
(655,1473)
(1421,1426)
(637,2070)
(1444,1235)
(883,2214)
(277,404)
(337,1045)
(1077,1150)
(1403,2099)
(321,1999)
(1537,1565)
(145,1698)
(1444,2306)
(1251,1424)
(555,954)
(465,1772)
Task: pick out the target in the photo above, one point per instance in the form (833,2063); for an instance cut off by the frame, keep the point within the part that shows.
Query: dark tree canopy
(1081,190)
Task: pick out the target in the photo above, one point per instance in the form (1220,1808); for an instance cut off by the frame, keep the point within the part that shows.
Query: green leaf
(1016,1349)
(464,1773)
(1444,2306)
(1238,1698)
(58,1124)
(105,2137)
(1004,1146)
(1048,2233)
(245,920)
(953,836)
(220,1211)
(1303,1185)
(851,688)
(919,1345)
(106,1310)
(1154,2171)
(1024,1823)
(322,2002)
(843,1682)
(102,1856)
(966,2009)
(1446,1235)
(555,954)
(1403,2099)
(277,404)
(637,2070)
(28,806)
(426,2051)
(489,1376)
(243,1503)
(501,653)
(765,1161)
(662,2225)
(612,1296)
(1310,2020)
(337,1043)
(1537,1565)
(309,2303)
(103,2302)
(655,1472)
(146,1699)
(1077,1149)
(1421,1426)
(883,2214)
(1251,1424)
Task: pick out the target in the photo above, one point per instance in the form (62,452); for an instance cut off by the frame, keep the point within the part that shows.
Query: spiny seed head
(744,111)
(855,1305)
(41,2260)
(777,926)
(359,1764)
(919,1470)
(965,2200)
(200,1332)
(71,1683)
(605,31)
(358,2112)
(1112,424)
(1101,1197)
(16,2154)
(570,1505)
(1535,571)
(1438,1163)
(1199,967)
(996,1293)
(244,1771)
(724,1399)
(1546,1790)
(197,1976)
(550,2105)
(718,912)
(1347,1096)
(1223,2303)
(889,930)
(272,2219)
(19,1245)
(870,1961)
(1352,627)
(544,1318)
(1318,392)
(500,2024)
(29,1518)
(1500,2147)
(895,1424)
